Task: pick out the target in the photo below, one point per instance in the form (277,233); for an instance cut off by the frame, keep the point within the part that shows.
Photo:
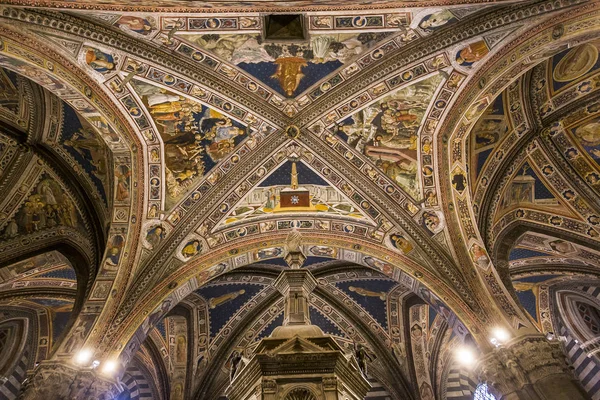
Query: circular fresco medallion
(576,63)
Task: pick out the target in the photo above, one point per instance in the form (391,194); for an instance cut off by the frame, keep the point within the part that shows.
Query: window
(481,393)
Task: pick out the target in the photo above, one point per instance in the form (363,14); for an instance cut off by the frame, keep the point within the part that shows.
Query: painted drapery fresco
(491,128)
(195,137)
(587,135)
(288,68)
(88,149)
(387,133)
(46,207)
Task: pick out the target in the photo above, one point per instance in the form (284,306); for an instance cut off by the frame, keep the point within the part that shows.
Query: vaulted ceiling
(447,158)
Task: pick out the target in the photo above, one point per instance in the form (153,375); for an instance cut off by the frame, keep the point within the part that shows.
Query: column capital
(54,380)
(522,362)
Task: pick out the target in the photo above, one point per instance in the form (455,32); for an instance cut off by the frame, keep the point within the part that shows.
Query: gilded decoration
(433,167)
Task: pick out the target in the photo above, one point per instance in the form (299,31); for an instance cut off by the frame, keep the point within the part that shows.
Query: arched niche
(581,316)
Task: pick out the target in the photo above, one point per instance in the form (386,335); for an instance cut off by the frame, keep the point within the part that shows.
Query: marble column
(529,368)
(54,380)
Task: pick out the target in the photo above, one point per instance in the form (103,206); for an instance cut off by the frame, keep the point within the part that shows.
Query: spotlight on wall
(550,336)
(95,364)
(109,367)
(83,357)
(501,336)
(465,356)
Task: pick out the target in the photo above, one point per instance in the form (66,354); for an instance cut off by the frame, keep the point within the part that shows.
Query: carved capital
(521,362)
(269,386)
(56,381)
(330,383)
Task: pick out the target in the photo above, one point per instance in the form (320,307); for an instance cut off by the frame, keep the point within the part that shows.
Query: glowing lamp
(84,356)
(465,356)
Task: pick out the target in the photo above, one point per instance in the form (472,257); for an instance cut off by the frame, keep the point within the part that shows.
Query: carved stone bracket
(330,383)
(269,386)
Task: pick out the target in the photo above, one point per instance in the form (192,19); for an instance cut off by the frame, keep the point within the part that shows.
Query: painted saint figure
(114,252)
(589,134)
(123,175)
(136,24)
(576,63)
(155,235)
(90,147)
(289,73)
(76,338)
(99,61)
(236,359)
(214,302)
(436,20)
(474,52)
(368,293)
(401,243)
(191,248)
(479,256)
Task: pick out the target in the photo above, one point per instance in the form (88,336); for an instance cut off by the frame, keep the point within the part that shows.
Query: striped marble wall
(587,366)
(10,389)
(460,384)
(137,385)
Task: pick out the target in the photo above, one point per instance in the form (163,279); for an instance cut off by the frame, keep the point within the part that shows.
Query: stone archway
(300,394)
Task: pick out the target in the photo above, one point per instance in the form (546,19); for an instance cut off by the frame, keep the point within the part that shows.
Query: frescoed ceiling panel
(59,311)
(537,249)
(10,98)
(566,77)
(288,68)
(497,133)
(572,66)
(587,135)
(371,295)
(48,265)
(519,253)
(528,189)
(47,205)
(29,282)
(195,137)
(387,133)
(66,134)
(225,300)
(490,130)
(88,149)
(576,139)
(351,136)
(293,188)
